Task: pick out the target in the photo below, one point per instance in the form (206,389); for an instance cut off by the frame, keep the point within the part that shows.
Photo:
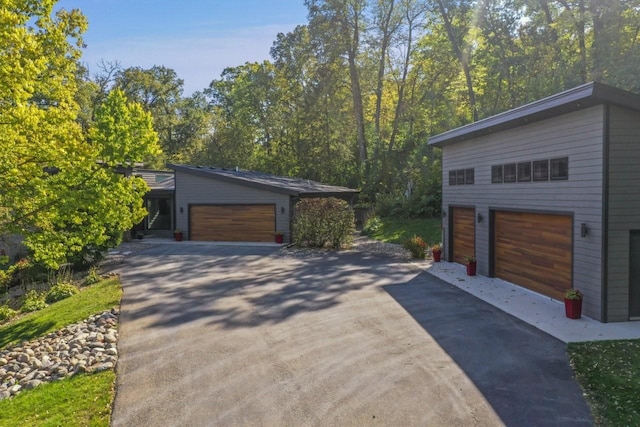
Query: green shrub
(6,313)
(93,277)
(33,301)
(371,226)
(318,222)
(60,292)
(416,246)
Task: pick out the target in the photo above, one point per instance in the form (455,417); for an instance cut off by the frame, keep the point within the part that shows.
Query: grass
(609,373)
(396,230)
(93,299)
(82,400)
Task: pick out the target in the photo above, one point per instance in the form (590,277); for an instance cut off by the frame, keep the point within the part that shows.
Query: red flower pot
(178,237)
(471,268)
(437,255)
(573,308)
(279,238)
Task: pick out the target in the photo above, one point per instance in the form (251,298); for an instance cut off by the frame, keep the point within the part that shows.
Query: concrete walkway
(535,309)
(240,335)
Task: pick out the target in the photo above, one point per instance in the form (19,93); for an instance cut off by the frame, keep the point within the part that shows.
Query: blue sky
(197,38)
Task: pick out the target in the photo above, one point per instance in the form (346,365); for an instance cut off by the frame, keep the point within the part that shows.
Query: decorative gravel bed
(87,346)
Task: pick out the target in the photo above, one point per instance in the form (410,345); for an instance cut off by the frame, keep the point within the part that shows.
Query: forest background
(351,97)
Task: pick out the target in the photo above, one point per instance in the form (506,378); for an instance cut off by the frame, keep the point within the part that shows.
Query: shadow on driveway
(523,372)
(174,285)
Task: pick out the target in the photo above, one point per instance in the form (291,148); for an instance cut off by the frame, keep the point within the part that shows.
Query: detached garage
(235,205)
(547,196)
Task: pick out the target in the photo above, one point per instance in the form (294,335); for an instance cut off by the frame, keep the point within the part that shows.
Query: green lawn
(609,373)
(395,230)
(81,400)
(94,299)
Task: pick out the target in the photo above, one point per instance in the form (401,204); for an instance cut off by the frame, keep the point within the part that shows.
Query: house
(217,204)
(547,196)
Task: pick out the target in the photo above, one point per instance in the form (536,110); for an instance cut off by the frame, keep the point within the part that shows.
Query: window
(541,170)
(524,172)
(510,172)
(496,174)
(461,176)
(468,176)
(559,168)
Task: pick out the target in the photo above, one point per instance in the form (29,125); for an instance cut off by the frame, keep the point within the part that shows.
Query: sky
(196,38)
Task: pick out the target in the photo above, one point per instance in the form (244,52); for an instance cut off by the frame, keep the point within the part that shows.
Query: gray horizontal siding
(578,136)
(194,189)
(623,205)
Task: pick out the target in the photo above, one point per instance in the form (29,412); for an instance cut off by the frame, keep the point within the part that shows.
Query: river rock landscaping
(83,347)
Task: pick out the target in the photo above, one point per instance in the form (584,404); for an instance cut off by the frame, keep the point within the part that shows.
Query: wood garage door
(534,250)
(232,223)
(463,233)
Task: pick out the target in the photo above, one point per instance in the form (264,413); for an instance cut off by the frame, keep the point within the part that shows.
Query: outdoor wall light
(282,209)
(444,213)
(480,217)
(584,230)
(181,209)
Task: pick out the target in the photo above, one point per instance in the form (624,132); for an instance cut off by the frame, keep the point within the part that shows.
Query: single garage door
(534,250)
(463,230)
(232,223)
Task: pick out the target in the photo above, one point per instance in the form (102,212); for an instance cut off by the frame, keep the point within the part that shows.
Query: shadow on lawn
(522,372)
(242,286)
(23,330)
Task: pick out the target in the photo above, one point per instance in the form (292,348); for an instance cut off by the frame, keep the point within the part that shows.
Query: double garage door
(232,223)
(530,249)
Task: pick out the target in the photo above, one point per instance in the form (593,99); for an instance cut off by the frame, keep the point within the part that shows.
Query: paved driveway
(228,335)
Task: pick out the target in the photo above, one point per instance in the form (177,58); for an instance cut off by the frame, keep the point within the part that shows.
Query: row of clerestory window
(536,170)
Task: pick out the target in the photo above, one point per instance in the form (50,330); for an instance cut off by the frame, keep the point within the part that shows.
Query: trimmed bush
(60,292)
(6,313)
(371,226)
(320,222)
(416,246)
(33,301)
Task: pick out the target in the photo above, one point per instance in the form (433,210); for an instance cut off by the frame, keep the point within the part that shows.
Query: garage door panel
(464,234)
(534,250)
(232,223)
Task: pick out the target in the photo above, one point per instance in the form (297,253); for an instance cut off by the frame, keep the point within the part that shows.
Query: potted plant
(436,252)
(177,235)
(471,265)
(279,236)
(573,303)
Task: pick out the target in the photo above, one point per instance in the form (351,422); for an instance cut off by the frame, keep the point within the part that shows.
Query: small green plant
(60,292)
(573,294)
(6,313)
(33,301)
(93,277)
(436,247)
(470,259)
(371,226)
(416,246)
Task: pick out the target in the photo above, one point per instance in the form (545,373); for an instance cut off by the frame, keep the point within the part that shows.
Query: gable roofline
(263,181)
(578,98)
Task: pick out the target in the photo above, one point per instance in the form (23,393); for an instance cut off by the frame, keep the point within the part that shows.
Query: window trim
(494,178)
(469,176)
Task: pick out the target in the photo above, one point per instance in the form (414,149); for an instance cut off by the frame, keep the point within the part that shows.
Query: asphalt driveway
(232,335)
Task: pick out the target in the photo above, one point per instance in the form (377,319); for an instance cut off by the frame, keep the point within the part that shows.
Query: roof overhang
(578,98)
(228,177)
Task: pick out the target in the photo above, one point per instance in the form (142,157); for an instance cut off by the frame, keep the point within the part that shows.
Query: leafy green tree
(55,193)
